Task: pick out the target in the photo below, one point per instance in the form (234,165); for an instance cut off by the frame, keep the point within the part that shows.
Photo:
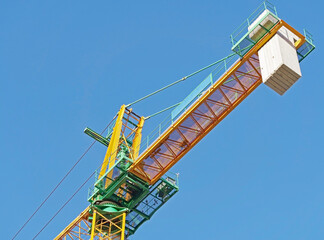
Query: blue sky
(65,65)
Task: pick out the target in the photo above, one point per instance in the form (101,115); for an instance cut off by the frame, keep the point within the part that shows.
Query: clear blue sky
(65,65)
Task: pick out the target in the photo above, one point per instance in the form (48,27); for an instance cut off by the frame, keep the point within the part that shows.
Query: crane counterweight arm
(203,115)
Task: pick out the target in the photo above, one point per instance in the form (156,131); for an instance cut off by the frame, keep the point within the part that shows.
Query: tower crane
(133,181)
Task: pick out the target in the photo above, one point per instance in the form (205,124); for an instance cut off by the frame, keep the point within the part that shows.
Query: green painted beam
(96,136)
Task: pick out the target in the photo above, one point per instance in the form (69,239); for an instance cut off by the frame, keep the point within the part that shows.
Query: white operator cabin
(278,58)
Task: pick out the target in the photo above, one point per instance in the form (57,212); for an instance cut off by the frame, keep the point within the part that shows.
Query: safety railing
(251,32)
(172,178)
(307,47)
(159,194)
(240,31)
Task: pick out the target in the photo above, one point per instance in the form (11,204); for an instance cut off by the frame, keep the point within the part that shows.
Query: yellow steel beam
(301,39)
(93,226)
(137,139)
(123,227)
(111,153)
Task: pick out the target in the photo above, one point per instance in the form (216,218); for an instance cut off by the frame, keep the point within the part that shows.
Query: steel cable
(60,182)
(49,221)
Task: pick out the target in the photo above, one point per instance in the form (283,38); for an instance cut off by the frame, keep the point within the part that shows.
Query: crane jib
(204,114)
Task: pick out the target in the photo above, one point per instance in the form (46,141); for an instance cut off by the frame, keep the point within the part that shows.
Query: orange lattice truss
(202,117)
(211,108)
